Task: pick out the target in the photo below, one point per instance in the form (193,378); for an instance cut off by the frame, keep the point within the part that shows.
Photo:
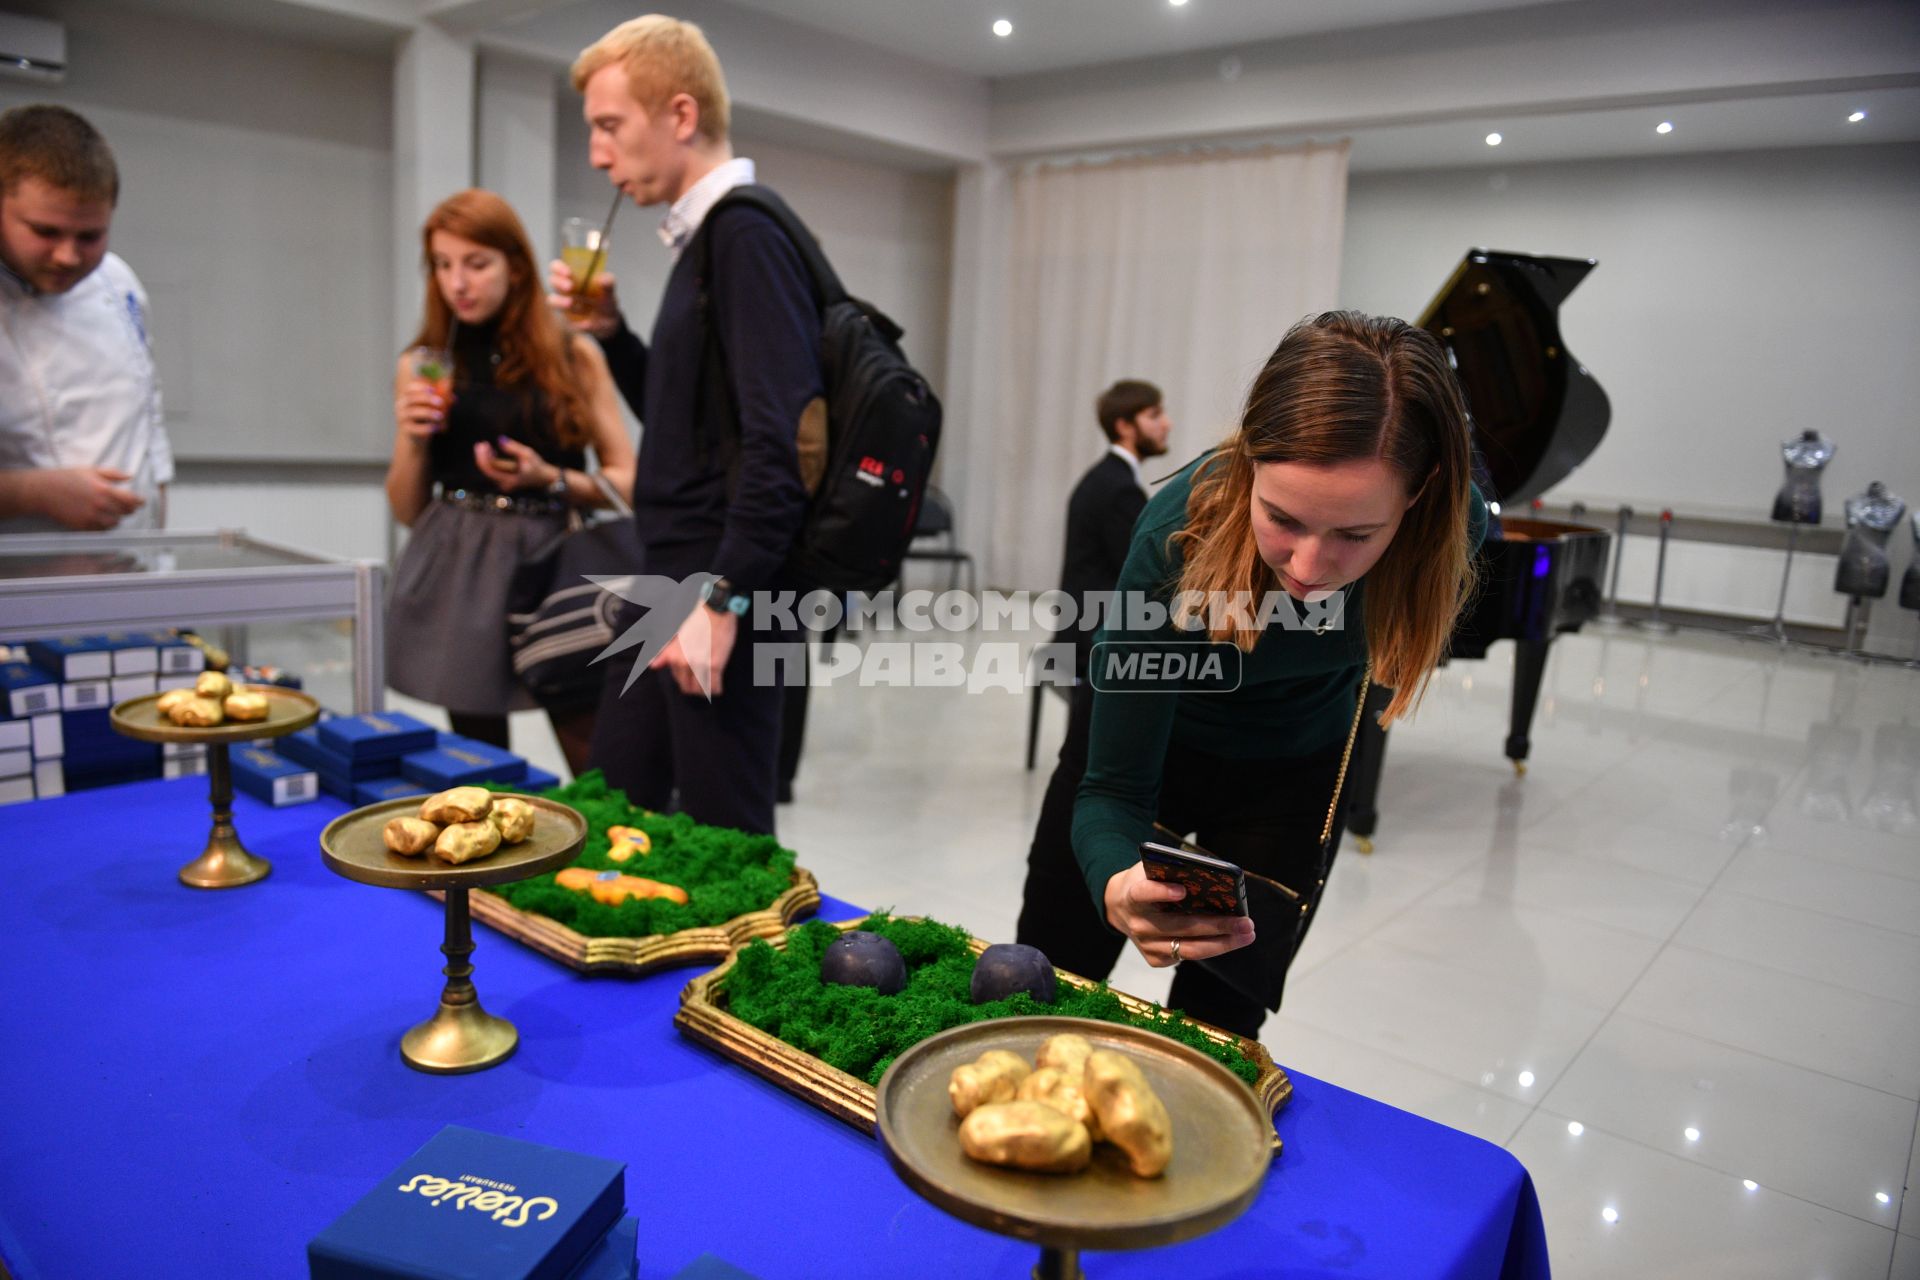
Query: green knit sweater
(1295,696)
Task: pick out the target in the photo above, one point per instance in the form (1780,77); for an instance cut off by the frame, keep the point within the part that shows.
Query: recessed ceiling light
(1493,139)
(1856,117)
(1526,1079)
(1665,126)
(1002,28)
(1750,1184)
(1883,1197)
(1575,1128)
(1693,1134)
(1178,4)
(1610,1213)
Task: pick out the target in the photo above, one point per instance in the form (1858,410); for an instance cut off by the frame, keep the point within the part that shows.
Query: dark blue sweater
(767,319)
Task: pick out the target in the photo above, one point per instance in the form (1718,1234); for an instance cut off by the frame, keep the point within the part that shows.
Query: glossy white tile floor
(1672,969)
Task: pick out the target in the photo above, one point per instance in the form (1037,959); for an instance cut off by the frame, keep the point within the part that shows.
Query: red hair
(534,346)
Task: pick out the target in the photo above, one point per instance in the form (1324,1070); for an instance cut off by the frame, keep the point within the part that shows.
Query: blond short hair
(663,57)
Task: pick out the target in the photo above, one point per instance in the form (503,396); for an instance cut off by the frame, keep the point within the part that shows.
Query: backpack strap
(714,385)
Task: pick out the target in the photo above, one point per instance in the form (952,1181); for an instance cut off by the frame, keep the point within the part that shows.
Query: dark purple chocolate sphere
(862,959)
(1007,967)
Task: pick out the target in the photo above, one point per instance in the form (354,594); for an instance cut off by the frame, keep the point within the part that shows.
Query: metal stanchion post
(1610,614)
(1657,624)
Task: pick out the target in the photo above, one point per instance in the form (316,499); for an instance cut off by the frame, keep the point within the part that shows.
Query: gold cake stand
(461,1036)
(1221,1147)
(225,863)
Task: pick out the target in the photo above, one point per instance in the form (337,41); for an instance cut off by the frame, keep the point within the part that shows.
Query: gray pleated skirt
(447,610)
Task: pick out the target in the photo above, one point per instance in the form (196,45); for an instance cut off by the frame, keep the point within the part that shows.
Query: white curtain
(1181,270)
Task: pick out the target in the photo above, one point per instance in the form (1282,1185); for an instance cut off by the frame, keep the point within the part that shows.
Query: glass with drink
(434,366)
(583,247)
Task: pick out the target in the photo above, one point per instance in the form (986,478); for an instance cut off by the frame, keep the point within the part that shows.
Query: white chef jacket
(78,387)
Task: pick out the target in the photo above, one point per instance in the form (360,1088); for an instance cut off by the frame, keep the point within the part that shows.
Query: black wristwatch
(719,596)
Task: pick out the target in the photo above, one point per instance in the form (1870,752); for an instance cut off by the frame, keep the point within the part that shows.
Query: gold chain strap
(1353,735)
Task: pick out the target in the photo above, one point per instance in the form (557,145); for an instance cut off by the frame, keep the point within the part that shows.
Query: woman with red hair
(485,475)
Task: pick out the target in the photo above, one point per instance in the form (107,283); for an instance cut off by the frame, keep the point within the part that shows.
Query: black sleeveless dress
(446,611)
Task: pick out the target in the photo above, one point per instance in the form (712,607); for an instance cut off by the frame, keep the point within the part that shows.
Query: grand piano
(1536,414)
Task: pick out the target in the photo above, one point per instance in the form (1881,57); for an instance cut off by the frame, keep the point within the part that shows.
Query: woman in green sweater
(1332,535)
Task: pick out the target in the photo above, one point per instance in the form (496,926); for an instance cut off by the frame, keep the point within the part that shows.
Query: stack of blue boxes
(54,703)
(389,755)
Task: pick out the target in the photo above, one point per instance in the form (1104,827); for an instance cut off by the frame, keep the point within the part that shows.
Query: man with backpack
(721,485)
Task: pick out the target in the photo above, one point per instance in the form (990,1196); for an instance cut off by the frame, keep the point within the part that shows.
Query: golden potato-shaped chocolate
(1063,1093)
(462,804)
(246,707)
(994,1076)
(465,841)
(212,684)
(197,713)
(409,836)
(1131,1114)
(1026,1135)
(171,699)
(512,818)
(1066,1051)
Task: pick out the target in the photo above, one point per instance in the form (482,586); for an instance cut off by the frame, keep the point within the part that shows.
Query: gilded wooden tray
(656,951)
(704,1018)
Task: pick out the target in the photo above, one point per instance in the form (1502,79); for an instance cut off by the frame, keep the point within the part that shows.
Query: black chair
(1052,652)
(935,521)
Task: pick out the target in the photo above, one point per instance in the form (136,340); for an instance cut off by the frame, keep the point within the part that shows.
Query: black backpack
(883,422)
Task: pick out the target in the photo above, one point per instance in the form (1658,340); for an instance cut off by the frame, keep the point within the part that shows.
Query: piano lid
(1537,414)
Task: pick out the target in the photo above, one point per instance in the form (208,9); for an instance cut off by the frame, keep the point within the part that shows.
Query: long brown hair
(533,344)
(1343,387)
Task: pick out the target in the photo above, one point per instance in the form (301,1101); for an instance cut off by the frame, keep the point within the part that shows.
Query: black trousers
(1264,815)
(714,760)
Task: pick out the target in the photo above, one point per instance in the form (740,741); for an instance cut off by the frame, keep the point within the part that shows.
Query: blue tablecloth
(194,1083)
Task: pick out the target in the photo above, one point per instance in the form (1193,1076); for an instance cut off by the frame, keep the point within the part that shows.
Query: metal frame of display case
(306,587)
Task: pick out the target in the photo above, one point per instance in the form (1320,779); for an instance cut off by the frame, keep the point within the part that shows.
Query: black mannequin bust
(1871,517)
(1798,501)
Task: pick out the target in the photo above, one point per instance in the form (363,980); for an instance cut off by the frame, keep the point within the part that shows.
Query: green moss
(726,873)
(861,1031)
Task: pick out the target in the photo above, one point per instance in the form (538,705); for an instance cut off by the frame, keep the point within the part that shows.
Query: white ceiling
(1049,35)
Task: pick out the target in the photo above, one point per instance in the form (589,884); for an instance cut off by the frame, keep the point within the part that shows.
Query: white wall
(256,181)
(887,230)
(1739,299)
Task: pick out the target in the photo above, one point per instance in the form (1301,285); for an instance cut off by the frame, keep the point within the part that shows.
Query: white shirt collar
(690,210)
(1133,463)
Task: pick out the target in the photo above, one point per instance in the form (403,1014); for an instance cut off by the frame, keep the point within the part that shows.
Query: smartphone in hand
(1214,887)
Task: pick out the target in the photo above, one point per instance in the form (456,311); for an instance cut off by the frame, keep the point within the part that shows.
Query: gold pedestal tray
(635,956)
(705,1018)
(225,863)
(462,1036)
(1220,1147)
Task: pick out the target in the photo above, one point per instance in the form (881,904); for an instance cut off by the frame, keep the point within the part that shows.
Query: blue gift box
(385,735)
(91,745)
(460,762)
(29,690)
(385,789)
(73,657)
(266,775)
(475,1206)
(307,748)
(535,779)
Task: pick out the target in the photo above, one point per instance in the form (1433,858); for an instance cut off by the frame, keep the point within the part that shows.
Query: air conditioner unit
(32,49)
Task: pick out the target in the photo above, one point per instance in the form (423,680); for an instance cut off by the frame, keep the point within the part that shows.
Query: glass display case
(236,589)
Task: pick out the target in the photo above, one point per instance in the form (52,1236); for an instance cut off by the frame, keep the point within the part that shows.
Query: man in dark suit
(1105,503)
(1100,518)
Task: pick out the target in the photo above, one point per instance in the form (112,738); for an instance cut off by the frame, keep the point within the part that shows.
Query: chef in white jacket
(82,445)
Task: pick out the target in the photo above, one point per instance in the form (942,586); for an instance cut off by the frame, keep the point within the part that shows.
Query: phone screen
(1214,887)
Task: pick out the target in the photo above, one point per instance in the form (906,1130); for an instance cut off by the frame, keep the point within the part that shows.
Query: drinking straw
(600,247)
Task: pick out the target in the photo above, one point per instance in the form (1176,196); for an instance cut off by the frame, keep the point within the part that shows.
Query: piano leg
(1363,771)
(1529,664)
